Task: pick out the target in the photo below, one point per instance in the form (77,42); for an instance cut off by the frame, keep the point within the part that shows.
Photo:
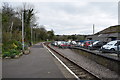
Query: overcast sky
(75,17)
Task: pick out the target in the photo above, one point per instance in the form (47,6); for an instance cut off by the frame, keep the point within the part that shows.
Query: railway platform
(39,64)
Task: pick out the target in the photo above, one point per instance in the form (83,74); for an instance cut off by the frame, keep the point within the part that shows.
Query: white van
(111,46)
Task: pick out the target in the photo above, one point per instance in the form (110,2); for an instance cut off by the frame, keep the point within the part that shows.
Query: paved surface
(88,64)
(38,64)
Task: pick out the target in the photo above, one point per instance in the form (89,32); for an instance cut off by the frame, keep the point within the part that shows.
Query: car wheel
(112,50)
(89,48)
(102,51)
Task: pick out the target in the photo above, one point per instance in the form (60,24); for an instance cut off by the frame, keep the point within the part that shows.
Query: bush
(14,52)
(26,46)
(13,44)
(6,54)
(19,45)
(11,53)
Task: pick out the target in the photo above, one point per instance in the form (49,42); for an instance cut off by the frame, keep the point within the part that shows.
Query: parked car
(64,45)
(87,43)
(111,46)
(96,45)
(82,44)
(78,44)
(54,43)
(59,43)
(73,42)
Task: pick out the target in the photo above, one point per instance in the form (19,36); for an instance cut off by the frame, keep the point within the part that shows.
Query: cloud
(68,17)
(77,18)
(59,0)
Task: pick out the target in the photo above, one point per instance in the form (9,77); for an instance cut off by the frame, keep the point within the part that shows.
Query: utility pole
(22,31)
(93,33)
(93,29)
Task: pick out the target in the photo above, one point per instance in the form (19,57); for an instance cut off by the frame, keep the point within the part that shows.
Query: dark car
(54,43)
(96,45)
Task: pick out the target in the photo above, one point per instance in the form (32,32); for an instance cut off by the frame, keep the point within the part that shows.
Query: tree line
(12,24)
(12,28)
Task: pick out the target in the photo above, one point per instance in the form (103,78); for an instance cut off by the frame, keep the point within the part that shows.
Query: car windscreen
(95,42)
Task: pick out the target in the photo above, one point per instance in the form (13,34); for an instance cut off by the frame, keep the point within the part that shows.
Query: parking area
(110,49)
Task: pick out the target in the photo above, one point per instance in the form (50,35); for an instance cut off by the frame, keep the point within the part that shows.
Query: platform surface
(38,64)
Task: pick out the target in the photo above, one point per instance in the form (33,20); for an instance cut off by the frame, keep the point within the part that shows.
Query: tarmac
(38,64)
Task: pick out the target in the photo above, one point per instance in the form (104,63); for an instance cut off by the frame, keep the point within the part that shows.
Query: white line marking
(62,63)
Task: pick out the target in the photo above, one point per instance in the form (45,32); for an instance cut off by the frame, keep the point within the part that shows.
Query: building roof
(111,29)
(104,35)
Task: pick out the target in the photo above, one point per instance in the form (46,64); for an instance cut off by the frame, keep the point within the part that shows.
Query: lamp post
(31,36)
(22,31)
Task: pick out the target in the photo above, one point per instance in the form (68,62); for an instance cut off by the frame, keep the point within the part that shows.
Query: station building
(108,34)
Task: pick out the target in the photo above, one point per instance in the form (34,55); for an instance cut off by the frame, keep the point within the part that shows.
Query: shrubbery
(11,53)
(11,49)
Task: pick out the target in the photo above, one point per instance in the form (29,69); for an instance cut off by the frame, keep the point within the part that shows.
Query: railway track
(81,73)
